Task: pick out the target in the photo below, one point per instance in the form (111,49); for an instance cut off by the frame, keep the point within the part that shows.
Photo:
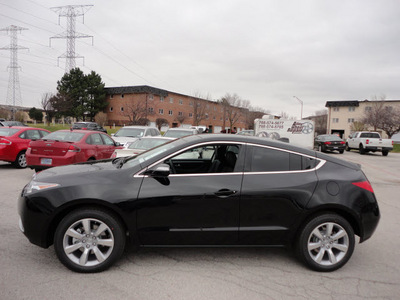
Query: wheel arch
(83,204)
(341,211)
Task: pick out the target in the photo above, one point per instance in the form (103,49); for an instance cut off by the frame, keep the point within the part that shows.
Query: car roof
(139,126)
(183,129)
(80,131)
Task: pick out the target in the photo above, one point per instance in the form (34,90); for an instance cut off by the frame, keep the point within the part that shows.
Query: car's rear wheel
(89,240)
(326,242)
(385,152)
(361,149)
(20,161)
(347,147)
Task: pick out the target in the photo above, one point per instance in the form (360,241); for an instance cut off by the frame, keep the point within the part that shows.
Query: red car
(64,147)
(14,141)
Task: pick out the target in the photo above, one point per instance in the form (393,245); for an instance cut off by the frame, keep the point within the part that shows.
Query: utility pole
(14,91)
(71,12)
(301,102)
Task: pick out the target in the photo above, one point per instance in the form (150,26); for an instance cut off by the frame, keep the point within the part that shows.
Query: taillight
(4,141)
(73,148)
(342,143)
(364,185)
(327,143)
(367,142)
(114,155)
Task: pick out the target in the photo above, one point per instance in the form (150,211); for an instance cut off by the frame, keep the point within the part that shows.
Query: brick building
(127,105)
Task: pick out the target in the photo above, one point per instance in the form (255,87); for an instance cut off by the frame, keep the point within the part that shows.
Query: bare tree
(284,115)
(321,120)
(101,118)
(232,108)
(199,108)
(160,122)
(358,126)
(47,105)
(136,111)
(4,113)
(181,118)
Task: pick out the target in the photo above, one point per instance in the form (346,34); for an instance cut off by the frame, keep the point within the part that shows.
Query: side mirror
(161,170)
(112,134)
(118,144)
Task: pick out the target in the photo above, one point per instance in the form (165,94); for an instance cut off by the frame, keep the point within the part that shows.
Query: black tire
(361,149)
(76,241)
(347,147)
(385,153)
(341,151)
(321,250)
(20,161)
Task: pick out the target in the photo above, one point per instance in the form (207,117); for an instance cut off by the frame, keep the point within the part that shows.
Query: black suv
(88,126)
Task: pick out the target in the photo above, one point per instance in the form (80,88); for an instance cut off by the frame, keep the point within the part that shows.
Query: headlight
(39,186)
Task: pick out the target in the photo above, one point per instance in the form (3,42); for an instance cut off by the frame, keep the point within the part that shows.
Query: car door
(192,206)
(277,185)
(109,146)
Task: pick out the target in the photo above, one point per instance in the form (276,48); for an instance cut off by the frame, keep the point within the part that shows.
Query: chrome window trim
(318,166)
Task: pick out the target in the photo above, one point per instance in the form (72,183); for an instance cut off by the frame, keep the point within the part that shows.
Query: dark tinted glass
(268,160)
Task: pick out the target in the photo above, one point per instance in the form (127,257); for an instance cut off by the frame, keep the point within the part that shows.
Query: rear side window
(8,131)
(273,160)
(67,136)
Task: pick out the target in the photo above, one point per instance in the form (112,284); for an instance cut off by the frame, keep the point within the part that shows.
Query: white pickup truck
(366,141)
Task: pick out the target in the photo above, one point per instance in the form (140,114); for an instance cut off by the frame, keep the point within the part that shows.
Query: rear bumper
(34,161)
(377,148)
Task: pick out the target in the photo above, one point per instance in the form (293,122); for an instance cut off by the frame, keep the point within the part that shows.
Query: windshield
(130,132)
(145,144)
(8,131)
(177,133)
(65,136)
(144,156)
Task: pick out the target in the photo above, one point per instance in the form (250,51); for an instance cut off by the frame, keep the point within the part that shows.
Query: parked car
(208,189)
(329,142)
(88,126)
(366,141)
(141,145)
(180,132)
(246,132)
(64,147)
(129,134)
(12,123)
(14,142)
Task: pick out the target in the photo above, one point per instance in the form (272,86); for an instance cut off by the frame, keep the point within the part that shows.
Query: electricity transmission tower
(14,91)
(71,12)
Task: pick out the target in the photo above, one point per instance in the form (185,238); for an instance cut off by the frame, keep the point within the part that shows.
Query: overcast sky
(265,51)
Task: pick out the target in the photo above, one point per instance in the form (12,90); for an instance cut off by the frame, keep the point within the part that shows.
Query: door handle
(224,193)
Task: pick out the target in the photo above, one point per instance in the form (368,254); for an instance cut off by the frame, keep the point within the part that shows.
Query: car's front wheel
(20,161)
(89,240)
(326,242)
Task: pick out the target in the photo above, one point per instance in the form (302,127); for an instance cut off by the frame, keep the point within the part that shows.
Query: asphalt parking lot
(29,272)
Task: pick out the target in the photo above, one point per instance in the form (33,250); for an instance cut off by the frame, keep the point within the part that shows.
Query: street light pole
(301,102)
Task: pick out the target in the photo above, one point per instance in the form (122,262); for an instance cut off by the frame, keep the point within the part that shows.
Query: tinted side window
(269,160)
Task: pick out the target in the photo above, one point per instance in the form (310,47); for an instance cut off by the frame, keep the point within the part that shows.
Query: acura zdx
(202,190)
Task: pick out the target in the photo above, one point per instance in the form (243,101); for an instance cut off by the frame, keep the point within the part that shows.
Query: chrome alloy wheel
(328,244)
(88,242)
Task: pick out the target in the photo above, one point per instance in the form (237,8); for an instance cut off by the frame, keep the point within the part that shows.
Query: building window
(190,115)
(350,120)
(336,109)
(161,98)
(352,108)
(122,108)
(368,108)
(161,111)
(207,116)
(180,114)
(151,97)
(191,103)
(170,112)
(111,96)
(151,110)
(214,118)
(180,102)
(335,120)
(111,109)
(171,100)
(122,95)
